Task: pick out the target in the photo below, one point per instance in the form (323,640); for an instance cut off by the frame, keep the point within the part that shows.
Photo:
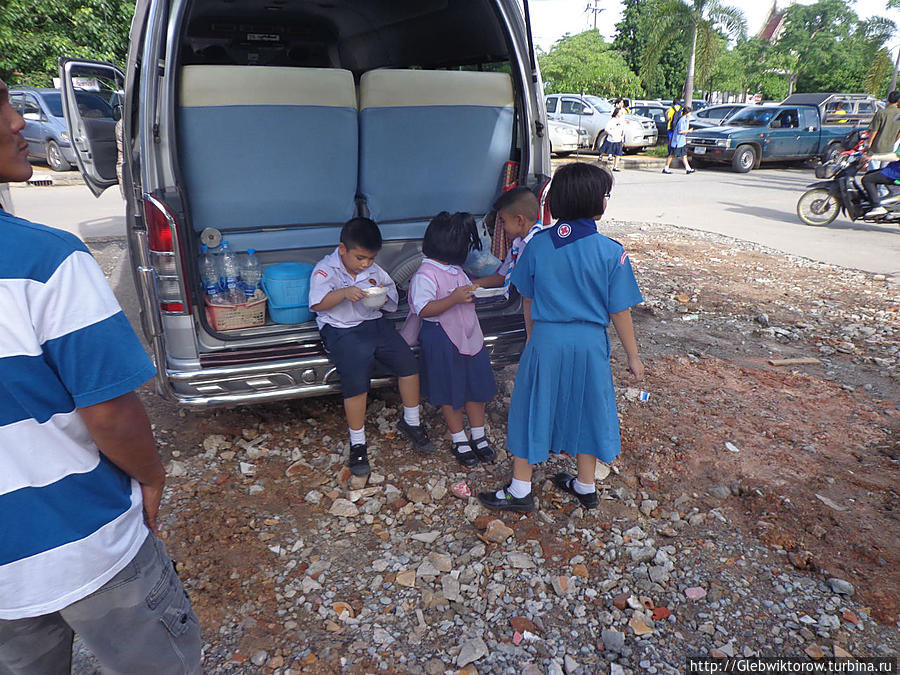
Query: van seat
(433,141)
(266,146)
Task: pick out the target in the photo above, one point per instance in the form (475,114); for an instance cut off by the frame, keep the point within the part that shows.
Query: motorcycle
(842,192)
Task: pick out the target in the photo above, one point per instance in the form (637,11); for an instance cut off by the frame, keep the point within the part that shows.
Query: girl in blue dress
(578,282)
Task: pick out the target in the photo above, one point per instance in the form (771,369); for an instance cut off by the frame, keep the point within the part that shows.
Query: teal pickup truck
(760,134)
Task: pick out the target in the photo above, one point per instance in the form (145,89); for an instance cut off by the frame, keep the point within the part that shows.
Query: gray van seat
(432,141)
(267,146)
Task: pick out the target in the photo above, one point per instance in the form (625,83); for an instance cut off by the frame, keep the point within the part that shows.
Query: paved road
(759,206)
(73,208)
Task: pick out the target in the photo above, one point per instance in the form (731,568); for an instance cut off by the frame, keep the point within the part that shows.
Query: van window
(17,101)
(429,34)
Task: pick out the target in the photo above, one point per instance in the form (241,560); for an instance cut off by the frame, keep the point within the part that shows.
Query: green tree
(701,20)
(879,73)
(630,34)
(825,47)
(585,63)
(35,33)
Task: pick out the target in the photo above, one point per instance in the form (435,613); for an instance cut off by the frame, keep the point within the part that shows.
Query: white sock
(358,436)
(517,488)
(411,416)
(459,437)
(477,432)
(583,488)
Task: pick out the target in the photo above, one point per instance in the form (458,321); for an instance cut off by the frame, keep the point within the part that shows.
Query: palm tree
(701,19)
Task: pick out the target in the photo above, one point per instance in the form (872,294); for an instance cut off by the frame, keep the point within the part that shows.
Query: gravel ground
(752,511)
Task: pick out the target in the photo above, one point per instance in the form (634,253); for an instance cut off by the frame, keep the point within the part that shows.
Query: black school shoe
(483,450)
(359,460)
(465,457)
(490,500)
(566,483)
(418,437)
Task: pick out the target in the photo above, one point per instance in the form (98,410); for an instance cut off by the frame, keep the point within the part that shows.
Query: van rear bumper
(299,378)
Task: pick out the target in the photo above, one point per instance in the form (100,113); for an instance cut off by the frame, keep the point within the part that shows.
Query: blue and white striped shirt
(70,520)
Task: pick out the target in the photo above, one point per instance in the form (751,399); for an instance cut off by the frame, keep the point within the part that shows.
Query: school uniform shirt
(679,139)
(330,274)
(578,276)
(615,130)
(70,519)
(515,251)
(422,289)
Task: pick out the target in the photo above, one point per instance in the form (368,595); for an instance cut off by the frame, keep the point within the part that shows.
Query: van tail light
(510,175)
(546,218)
(164,257)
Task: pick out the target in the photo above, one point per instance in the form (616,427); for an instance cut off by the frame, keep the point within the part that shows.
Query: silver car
(592,113)
(566,138)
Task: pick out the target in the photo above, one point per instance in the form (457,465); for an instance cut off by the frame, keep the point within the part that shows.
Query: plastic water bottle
(251,273)
(209,275)
(230,277)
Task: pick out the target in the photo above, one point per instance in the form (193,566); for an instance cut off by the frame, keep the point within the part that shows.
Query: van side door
(92,112)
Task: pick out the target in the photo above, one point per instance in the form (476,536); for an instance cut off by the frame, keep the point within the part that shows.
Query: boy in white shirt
(357,336)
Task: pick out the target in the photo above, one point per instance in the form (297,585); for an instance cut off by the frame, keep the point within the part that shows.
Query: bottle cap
(204,248)
(251,250)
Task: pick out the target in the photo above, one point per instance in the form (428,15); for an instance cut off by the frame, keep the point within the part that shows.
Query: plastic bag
(480,264)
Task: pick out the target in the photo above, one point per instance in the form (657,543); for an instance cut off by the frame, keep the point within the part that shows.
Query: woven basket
(233,317)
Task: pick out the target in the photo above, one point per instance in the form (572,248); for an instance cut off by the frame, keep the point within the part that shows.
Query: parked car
(846,109)
(759,134)
(657,113)
(374,110)
(592,113)
(715,115)
(631,103)
(45,125)
(566,138)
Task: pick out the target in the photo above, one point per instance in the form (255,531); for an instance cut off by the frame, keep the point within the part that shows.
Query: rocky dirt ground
(753,510)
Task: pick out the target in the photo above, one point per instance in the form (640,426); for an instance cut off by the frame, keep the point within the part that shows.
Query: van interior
(293,116)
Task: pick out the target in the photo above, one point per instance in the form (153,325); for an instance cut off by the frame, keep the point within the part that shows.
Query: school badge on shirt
(564,230)
(623,258)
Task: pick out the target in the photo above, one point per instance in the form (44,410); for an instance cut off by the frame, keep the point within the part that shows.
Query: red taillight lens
(159,233)
(171,289)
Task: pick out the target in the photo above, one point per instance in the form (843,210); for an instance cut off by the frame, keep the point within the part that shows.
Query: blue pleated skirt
(451,378)
(564,399)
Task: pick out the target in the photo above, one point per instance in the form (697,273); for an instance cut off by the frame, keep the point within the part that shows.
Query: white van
(271,124)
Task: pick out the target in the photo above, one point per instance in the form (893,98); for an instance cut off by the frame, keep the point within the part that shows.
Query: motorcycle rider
(888,175)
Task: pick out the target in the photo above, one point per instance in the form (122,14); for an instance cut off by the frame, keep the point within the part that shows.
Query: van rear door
(92,94)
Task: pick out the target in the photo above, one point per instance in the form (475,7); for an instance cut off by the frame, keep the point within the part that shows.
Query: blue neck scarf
(566,232)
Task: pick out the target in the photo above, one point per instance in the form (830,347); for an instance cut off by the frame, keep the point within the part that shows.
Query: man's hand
(152,495)
(354,294)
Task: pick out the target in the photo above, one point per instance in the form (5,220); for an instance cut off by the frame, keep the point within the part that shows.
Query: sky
(551,19)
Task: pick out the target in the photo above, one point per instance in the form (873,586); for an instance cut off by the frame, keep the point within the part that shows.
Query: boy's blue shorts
(373,347)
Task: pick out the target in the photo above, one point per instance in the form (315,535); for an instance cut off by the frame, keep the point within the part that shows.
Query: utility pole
(594,8)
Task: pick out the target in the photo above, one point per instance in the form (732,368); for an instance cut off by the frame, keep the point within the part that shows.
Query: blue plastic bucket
(287,285)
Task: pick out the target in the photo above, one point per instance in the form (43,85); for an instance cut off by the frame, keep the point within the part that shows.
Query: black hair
(686,109)
(578,191)
(449,238)
(893,97)
(617,111)
(361,233)
(519,201)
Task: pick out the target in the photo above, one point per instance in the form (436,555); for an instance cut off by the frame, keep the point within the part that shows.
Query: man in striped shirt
(80,477)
